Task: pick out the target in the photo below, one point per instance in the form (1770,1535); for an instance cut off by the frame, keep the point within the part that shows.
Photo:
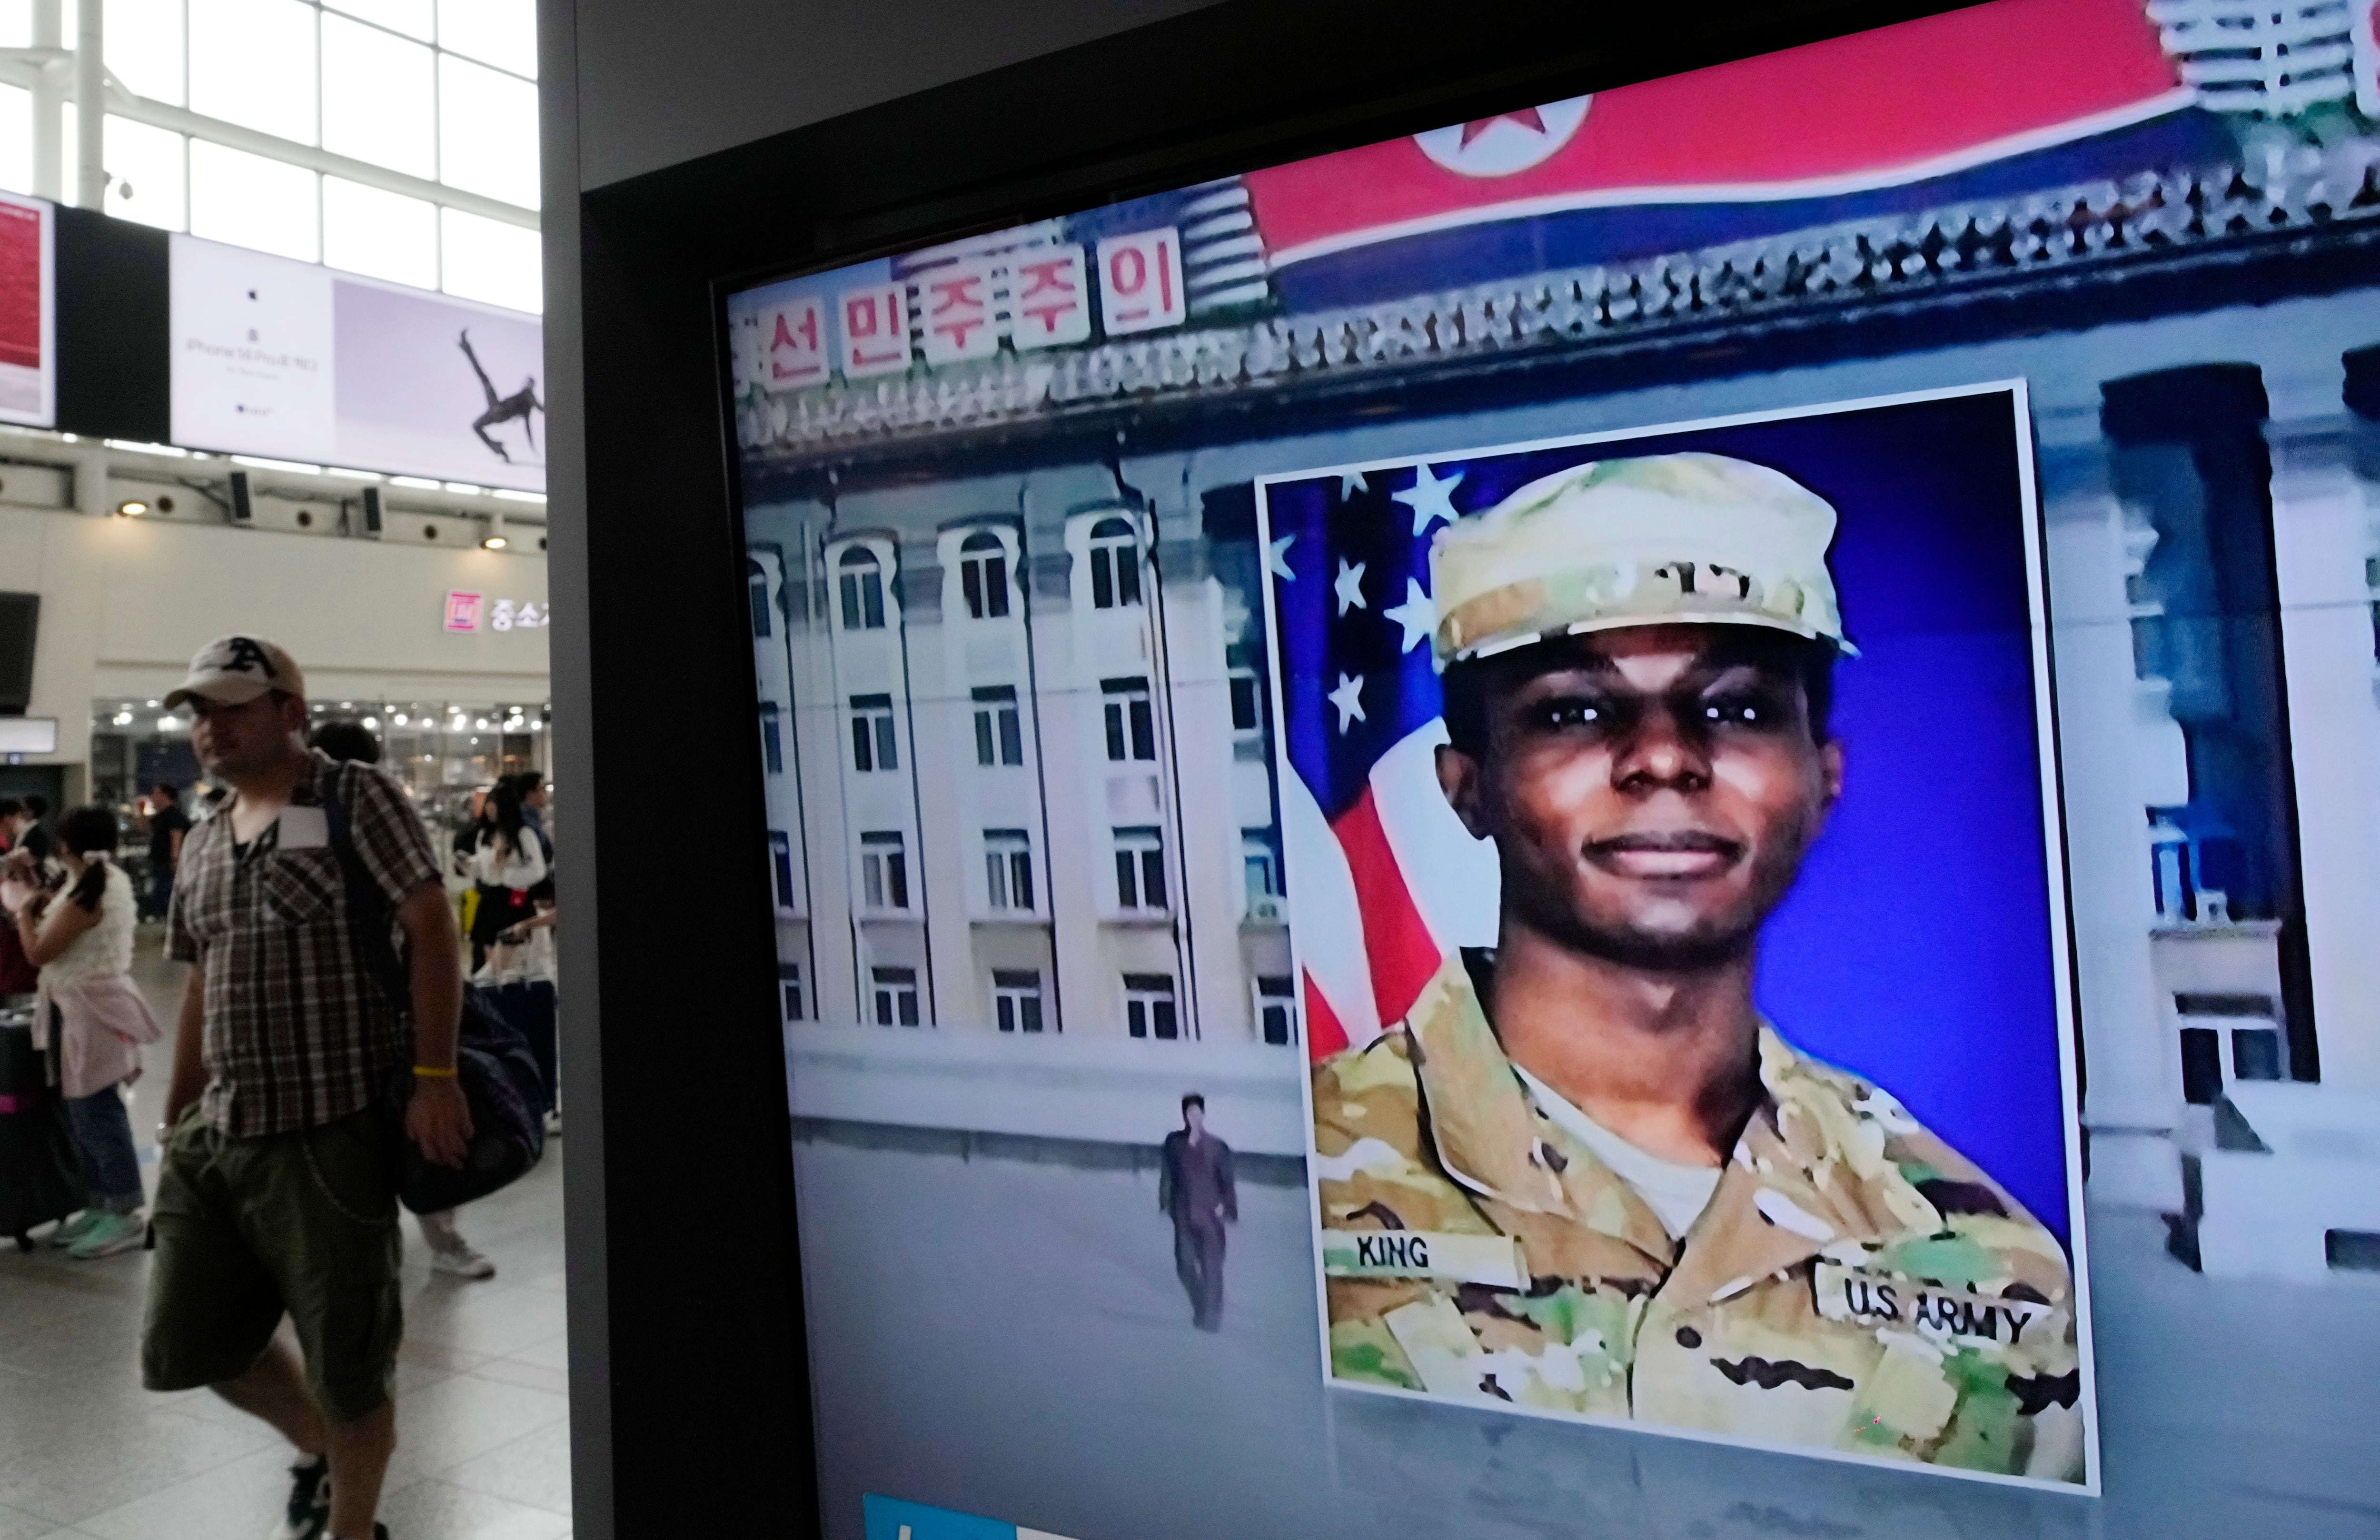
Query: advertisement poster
(299,362)
(1643,759)
(28,313)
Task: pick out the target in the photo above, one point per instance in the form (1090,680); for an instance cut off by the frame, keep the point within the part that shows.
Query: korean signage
(961,312)
(477,611)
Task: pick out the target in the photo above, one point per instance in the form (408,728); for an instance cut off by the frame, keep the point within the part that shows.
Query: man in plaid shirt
(276,1194)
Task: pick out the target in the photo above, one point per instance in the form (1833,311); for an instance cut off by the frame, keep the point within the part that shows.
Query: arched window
(1116,565)
(863,589)
(983,575)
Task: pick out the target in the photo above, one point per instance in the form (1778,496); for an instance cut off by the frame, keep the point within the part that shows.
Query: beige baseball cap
(1658,540)
(232,671)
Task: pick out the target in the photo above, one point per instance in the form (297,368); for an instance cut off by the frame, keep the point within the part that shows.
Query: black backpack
(492,1062)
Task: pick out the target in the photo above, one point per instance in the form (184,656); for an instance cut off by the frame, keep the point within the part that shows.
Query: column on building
(2121,753)
(987,825)
(874,760)
(2327,560)
(778,593)
(2230,953)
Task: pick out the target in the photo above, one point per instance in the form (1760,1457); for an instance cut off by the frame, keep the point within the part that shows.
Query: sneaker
(554,1124)
(309,1501)
(460,1260)
(109,1234)
(71,1231)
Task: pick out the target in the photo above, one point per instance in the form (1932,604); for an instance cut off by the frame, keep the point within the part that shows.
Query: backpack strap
(370,918)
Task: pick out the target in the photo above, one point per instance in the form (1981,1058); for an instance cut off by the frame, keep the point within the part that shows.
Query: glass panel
(15,137)
(995,587)
(379,98)
(886,756)
(1020,866)
(1012,738)
(1007,1006)
(486,132)
(1031,1010)
(150,175)
(248,200)
(1161,1013)
(501,33)
(863,757)
(897,879)
(385,235)
(983,738)
(413,17)
(252,63)
(1127,888)
(1152,879)
(486,260)
(144,48)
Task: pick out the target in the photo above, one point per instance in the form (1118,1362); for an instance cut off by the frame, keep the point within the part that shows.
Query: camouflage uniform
(1855,1283)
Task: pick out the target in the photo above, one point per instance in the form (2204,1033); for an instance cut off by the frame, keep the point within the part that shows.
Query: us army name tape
(1872,1299)
(1490,1259)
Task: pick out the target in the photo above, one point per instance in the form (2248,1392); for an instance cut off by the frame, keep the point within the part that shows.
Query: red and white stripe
(1382,894)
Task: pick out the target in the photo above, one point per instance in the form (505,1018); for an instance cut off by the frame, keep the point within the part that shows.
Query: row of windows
(984,578)
(1138,850)
(1149,1010)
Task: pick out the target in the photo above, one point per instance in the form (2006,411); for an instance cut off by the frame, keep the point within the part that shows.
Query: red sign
(875,331)
(20,285)
(463,612)
(1140,282)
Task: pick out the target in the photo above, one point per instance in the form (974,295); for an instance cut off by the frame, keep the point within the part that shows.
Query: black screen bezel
(692,1398)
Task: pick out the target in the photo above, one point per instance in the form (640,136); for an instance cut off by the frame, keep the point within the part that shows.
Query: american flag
(1384,880)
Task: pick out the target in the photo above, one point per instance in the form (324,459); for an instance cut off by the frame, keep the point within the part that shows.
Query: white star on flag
(1429,498)
(1349,587)
(1350,482)
(1349,699)
(1417,615)
(1277,558)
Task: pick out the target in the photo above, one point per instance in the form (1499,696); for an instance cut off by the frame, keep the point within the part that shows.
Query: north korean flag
(1986,101)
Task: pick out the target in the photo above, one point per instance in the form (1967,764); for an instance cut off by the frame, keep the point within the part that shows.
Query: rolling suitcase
(41,1177)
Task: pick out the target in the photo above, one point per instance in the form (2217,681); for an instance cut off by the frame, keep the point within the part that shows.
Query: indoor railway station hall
(1189,768)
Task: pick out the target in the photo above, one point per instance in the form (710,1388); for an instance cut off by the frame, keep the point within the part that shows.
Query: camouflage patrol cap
(1656,539)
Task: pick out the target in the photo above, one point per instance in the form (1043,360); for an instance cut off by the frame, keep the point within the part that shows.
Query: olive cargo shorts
(302,1222)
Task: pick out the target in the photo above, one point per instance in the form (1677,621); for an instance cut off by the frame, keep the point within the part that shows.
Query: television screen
(1647,814)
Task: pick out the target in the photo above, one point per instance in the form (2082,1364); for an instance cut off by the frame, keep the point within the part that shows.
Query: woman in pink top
(81,940)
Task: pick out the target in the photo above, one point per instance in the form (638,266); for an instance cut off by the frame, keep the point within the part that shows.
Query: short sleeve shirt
(298,1031)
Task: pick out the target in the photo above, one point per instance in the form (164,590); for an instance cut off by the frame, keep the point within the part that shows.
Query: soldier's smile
(1677,855)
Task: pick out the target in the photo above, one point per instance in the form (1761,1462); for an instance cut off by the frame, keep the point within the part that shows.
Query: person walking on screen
(1584,1174)
(1195,1190)
(276,1189)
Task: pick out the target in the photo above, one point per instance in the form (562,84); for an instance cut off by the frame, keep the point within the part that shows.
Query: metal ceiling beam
(25,66)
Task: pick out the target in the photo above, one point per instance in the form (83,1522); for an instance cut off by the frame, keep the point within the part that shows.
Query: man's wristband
(426,1073)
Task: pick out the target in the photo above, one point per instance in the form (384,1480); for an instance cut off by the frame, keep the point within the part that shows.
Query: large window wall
(392,137)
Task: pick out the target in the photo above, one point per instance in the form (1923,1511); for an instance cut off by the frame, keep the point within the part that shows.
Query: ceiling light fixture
(131,508)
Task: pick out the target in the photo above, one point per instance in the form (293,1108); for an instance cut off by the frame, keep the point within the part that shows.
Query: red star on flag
(1527,118)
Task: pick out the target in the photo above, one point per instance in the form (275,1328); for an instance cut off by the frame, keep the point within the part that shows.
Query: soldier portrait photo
(1689,1061)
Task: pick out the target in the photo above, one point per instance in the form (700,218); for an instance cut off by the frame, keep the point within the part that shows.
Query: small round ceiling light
(131,508)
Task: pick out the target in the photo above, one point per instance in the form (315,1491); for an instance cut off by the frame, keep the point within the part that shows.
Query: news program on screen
(1658,814)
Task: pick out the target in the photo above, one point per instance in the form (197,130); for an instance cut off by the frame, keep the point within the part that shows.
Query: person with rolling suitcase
(39,1177)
